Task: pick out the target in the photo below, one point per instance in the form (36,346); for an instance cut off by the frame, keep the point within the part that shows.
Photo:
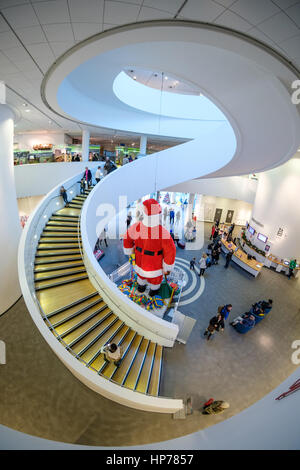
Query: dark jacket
(89,175)
(215,324)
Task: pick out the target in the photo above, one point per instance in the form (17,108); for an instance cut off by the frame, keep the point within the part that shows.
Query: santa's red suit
(153,246)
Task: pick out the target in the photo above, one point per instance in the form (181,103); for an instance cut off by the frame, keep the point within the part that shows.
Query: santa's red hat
(151,212)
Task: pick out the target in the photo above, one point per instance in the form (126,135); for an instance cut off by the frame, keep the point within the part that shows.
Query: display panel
(262,238)
(251,230)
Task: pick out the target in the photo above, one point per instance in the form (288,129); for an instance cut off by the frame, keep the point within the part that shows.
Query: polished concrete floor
(40,396)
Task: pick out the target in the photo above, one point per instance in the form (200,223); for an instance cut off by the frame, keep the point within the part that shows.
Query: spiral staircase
(77,315)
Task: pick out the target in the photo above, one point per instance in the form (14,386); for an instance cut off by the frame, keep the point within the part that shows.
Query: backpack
(220,308)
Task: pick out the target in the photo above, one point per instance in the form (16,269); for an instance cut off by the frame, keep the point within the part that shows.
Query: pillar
(189,209)
(276,210)
(143,146)
(10,227)
(85,145)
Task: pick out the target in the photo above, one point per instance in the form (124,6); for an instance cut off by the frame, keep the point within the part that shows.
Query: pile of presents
(165,296)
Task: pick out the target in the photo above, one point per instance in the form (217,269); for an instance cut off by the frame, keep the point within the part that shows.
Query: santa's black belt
(147,252)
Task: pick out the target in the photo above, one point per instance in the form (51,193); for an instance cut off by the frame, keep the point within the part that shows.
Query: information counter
(240,257)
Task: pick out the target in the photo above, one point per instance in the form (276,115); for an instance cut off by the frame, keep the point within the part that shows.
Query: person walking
(98,174)
(125,160)
(172,216)
(87,177)
(231,228)
(202,264)
(292,266)
(214,407)
(192,264)
(112,353)
(64,195)
(103,238)
(225,310)
(178,215)
(215,323)
(228,258)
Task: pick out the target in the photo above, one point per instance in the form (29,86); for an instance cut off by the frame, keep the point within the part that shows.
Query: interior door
(229,217)
(218,214)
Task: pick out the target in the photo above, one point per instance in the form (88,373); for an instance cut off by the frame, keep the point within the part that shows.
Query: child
(82,186)
(192,264)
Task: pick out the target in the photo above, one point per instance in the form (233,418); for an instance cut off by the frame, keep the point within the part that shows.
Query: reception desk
(240,258)
(273,262)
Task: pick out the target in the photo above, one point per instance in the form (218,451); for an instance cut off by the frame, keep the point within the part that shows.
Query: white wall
(27,140)
(242,210)
(40,178)
(276,206)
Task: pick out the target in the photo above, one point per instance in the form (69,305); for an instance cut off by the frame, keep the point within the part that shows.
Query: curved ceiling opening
(157,101)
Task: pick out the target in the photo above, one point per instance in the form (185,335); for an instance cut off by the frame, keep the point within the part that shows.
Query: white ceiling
(34,33)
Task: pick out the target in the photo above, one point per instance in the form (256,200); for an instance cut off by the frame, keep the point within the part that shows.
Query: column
(85,145)
(189,209)
(10,227)
(143,146)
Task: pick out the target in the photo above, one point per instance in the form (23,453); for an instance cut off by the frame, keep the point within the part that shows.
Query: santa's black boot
(153,292)
(141,288)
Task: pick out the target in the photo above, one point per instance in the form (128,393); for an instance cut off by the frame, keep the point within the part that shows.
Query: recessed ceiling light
(24,104)
(134,78)
(27,110)
(166,78)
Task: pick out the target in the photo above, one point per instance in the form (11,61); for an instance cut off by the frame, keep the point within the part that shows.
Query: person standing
(64,195)
(215,407)
(228,258)
(215,323)
(165,213)
(125,160)
(202,264)
(292,266)
(103,238)
(231,228)
(192,264)
(88,176)
(213,229)
(112,353)
(98,174)
(178,215)
(172,216)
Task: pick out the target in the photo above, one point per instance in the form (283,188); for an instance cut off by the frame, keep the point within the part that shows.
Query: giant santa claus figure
(153,247)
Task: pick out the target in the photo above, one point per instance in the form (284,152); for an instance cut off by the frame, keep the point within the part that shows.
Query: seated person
(266,304)
(247,320)
(112,353)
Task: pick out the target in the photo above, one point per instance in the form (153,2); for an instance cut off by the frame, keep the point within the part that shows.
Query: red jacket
(154,249)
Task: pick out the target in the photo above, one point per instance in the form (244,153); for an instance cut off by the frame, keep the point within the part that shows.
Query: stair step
(110,368)
(58,239)
(154,383)
(69,212)
(99,361)
(65,296)
(94,351)
(48,268)
(56,246)
(132,377)
(56,259)
(144,379)
(59,281)
(65,214)
(55,274)
(122,371)
(71,324)
(57,318)
(46,253)
(90,335)
(75,304)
